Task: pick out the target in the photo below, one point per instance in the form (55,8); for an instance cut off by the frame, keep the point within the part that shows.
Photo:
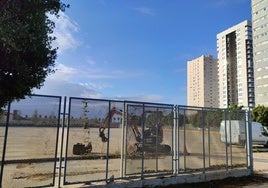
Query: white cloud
(60,84)
(96,86)
(63,73)
(64,32)
(65,88)
(142,97)
(146,11)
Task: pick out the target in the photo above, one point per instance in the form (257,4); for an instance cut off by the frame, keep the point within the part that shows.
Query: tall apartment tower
(202,82)
(235,66)
(259,11)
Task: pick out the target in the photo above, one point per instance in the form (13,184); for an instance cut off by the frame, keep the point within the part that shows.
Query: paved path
(261,163)
(260,167)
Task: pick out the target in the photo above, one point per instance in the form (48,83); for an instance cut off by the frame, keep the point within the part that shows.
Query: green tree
(35,116)
(85,114)
(153,118)
(236,107)
(26,51)
(196,118)
(235,112)
(260,114)
(213,118)
(168,119)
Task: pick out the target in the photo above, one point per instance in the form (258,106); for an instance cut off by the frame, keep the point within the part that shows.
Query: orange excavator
(152,136)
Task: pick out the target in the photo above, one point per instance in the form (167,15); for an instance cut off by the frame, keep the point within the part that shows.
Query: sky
(136,50)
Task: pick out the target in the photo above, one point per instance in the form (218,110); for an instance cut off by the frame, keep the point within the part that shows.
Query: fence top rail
(149,103)
(142,102)
(121,101)
(39,95)
(209,108)
(104,100)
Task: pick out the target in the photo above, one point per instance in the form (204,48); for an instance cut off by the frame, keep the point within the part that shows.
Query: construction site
(49,141)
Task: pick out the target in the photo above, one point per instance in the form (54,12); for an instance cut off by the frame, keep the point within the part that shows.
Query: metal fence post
(108,144)
(62,140)
(67,140)
(226,142)
(203,141)
(142,124)
(123,144)
(5,144)
(184,140)
(175,141)
(249,141)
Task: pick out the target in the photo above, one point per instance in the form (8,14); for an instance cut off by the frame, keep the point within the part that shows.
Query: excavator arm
(131,122)
(106,123)
(153,136)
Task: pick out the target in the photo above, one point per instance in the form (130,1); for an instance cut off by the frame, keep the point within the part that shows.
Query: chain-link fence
(45,141)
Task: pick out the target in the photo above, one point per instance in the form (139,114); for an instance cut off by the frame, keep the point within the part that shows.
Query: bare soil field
(232,182)
(31,151)
(258,180)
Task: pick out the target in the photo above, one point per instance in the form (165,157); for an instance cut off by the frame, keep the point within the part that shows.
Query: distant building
(202,82)
(235,66)
(259,10)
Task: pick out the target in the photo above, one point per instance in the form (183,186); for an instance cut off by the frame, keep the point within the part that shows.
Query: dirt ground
(246,181)
(258,180)
(40,144)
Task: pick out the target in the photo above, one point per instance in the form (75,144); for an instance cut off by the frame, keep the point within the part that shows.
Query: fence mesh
(93,126)
(200,139)
(32,142)
(103,140)
(148,139)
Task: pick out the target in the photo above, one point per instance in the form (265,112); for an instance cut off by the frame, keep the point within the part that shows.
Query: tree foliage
(195,119)
(26,52)
(213,118)
(260,114)
(236,107)
(153,118)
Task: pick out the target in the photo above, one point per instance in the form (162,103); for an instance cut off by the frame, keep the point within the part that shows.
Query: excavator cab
(153,134)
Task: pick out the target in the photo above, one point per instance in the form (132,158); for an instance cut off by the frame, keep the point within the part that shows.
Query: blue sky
(136,49)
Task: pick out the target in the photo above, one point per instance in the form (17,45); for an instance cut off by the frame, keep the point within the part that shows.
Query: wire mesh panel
(191,140)
(215,150)
(234,135)
(104,140)
(211,139)
(148,139)
(31,148)
(157,136)
(94,136)
(133,139)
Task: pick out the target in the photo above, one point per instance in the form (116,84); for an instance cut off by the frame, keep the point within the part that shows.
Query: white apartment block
(259,11)
(235,66)
(202,82)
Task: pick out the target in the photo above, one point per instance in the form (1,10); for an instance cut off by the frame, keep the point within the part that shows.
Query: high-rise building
(259,11)
(235,66)
(202,82)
